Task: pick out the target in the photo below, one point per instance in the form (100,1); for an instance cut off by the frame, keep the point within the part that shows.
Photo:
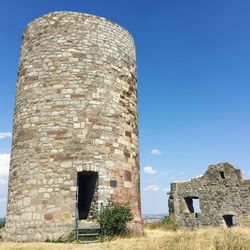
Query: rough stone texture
(76,110)
(221,191)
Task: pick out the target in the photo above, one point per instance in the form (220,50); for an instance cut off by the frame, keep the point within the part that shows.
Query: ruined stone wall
(75,110)
(221,191)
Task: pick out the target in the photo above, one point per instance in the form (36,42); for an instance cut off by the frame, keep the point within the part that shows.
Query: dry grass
(199,239)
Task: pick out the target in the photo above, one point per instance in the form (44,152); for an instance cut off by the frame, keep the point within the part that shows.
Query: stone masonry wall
(75,110)
(221,191)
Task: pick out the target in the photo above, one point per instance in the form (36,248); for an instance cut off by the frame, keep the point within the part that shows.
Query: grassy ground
(198,239)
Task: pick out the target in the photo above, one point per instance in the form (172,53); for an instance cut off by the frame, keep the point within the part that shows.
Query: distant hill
(153,217)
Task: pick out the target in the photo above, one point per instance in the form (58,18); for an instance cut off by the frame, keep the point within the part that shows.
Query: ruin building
(218,198)
(75,133)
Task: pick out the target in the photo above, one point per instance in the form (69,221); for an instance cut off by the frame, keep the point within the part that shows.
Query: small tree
(114,218)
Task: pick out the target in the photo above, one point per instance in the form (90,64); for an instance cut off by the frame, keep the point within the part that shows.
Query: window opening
(193,204)
(230,220)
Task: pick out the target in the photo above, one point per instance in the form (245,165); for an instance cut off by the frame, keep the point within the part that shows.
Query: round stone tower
(75,135)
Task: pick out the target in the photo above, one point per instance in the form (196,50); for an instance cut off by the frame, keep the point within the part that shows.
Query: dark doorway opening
(193,204)
(87,183)
(230,220)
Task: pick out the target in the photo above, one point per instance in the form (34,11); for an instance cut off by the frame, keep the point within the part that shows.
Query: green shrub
(166,224)
(114,218)
(2,222)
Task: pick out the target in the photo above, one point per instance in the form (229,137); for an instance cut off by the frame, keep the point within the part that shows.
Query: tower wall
(76,110)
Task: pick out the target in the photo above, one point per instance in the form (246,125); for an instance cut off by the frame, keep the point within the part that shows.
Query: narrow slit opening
(222,174)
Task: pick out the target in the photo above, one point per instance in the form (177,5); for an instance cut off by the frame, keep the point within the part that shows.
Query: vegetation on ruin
(114,218)
(2,222)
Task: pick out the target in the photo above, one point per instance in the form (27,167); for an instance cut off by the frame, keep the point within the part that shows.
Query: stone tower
(75,135)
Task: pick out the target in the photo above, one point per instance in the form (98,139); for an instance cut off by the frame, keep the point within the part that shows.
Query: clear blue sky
(194,83)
